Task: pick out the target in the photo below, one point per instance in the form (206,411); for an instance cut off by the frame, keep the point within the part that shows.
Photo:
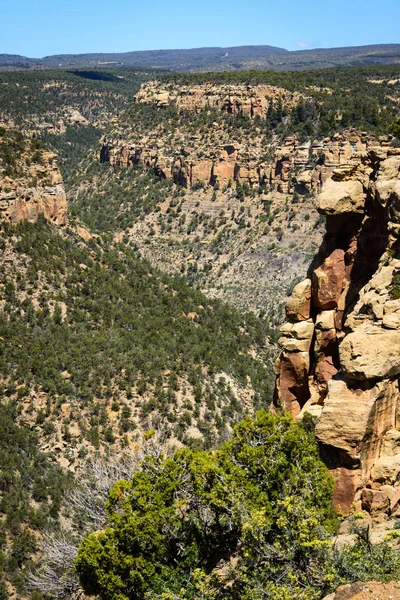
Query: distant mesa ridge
(220,59)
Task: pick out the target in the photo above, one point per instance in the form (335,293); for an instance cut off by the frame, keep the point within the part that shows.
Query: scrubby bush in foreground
(250,520)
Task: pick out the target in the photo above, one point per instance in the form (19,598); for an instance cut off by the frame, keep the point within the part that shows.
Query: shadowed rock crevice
(372,242)
(336,458)
(353,319)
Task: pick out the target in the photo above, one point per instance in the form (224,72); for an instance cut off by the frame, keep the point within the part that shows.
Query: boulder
(374,501)
(325,369)
(374,301)
(387,179)
(293,380)
(370,352)
(386,469)
(325,320)
(295,345)
(346,483)
(391,316)
(286,329)
(345,417)
(338,197)
(299,303)
(328,279)
(391,321)
(303,330)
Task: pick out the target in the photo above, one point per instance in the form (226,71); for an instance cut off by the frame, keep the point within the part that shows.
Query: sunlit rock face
(214,156)
(38,189)
(349,378)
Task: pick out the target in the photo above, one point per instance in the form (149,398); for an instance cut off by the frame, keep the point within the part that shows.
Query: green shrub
(263,498)
(395,287)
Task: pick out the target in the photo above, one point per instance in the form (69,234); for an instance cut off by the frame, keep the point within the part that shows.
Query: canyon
(341,343)
(265,182)
(227,187)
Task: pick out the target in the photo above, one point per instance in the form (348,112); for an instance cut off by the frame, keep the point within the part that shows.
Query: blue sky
(38,28)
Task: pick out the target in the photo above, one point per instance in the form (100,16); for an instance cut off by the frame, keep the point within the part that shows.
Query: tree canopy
(248,520)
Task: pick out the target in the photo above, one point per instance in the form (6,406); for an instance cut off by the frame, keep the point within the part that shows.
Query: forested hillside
(219,59)
(363,97)
(99,348)
(48,100)
(222,195)
(138,328)
(94,326)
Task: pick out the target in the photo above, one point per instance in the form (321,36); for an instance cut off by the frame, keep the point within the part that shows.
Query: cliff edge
(30,180)
(340,359)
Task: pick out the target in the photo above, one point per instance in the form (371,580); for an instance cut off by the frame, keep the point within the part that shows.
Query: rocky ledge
(340,359)
(289,167)
(38,189)
(235,99)
(373,590)
(216,155)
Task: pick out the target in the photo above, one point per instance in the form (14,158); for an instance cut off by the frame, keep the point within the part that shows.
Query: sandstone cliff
(212,152)
(235,99)
(30,182)
(278,176)
(218,154)
(292,166)
(340,356)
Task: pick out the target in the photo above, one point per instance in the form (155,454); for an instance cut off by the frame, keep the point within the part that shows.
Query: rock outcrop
(294,167)
(29,203)
(35,188)
(235,99)
(373,590)
(344,367)
(219,156)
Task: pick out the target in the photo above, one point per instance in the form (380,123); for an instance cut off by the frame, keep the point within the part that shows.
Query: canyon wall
(291,166)
(210,153)
(234,99)
(36,189)
(340,359)
(216,153)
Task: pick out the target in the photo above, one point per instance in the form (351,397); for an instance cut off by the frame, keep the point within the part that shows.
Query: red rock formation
(293,380)
(28,203)
(354,359)
(299,304)
(293,166)
(327,281)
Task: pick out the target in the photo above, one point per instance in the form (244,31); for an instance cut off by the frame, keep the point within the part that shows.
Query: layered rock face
(234,99)
(200,159)
(214,155)
(341,345)
(38,189)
